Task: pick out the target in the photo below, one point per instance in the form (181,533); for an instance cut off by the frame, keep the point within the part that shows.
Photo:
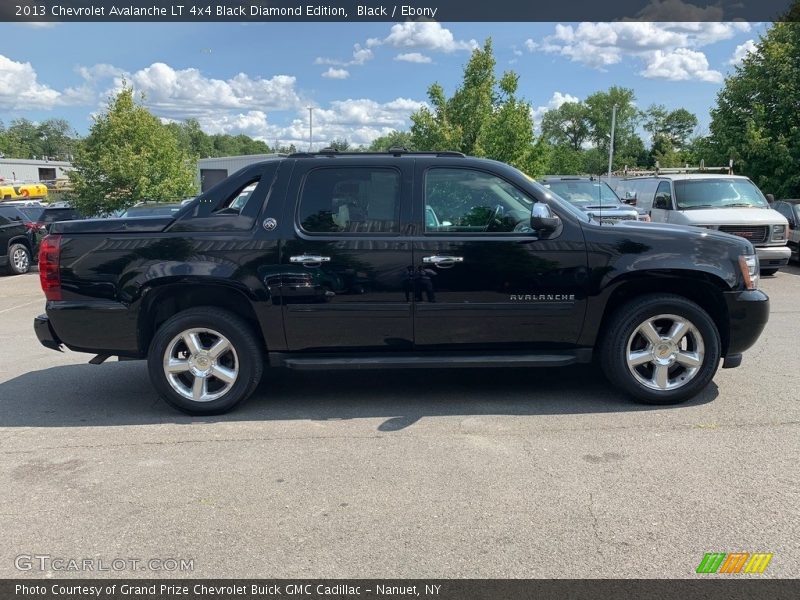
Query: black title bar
(369,10)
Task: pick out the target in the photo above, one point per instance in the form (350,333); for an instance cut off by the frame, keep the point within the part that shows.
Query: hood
(653,230)
(729,216)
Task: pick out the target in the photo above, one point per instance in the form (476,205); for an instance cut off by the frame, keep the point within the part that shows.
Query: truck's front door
(345,273)
(482,277)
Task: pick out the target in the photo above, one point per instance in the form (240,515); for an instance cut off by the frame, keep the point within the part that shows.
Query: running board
(429,361)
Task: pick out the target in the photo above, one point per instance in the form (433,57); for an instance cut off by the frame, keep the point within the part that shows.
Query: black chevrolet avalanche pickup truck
(334,260)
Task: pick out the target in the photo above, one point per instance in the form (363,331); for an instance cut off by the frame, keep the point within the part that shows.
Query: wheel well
(21,240)
(703,291)
(162,303)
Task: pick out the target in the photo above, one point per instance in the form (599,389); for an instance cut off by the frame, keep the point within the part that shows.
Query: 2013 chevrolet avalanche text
(399,259)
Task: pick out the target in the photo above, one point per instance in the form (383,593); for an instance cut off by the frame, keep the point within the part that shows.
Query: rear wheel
(661,349)
(19,259)
(205,361)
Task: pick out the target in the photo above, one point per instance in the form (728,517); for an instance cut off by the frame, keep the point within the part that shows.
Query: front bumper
(44,331)
(773,256)
(748,313)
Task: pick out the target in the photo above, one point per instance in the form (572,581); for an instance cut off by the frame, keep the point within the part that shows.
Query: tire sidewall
(11,251)
(243,344)
(617,360)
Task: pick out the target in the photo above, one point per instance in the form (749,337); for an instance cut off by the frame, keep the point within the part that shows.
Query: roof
(680,176)
(30,161)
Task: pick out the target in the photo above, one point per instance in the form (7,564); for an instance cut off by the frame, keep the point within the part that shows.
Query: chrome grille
(756,234)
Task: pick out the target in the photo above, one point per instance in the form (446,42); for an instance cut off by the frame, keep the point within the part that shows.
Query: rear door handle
(309,260)
(443,262)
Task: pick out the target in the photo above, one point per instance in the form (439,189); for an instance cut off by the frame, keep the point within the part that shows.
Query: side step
(429,361)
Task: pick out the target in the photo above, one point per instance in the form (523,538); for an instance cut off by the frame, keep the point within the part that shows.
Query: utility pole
(611,145)
(310,126)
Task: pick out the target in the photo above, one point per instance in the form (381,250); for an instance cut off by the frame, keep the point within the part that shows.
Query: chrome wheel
(665,352)
(21,260)
(201,364)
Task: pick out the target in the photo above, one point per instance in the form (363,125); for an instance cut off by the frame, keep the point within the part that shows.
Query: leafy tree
(340,145)
(484,117)
(395,139)
(628,146)
(674,126)
(756,121)
(129,156)
(53,138)
(565,160)
(567,125)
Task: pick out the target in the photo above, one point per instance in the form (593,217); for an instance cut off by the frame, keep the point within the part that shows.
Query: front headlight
(778,233)
(748,263)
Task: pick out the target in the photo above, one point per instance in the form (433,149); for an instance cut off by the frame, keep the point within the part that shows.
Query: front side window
(663,197)
(470,201)
(350,200)
(718,193)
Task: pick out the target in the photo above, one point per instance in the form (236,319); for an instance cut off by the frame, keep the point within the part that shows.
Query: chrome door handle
(443,262)
(309,260)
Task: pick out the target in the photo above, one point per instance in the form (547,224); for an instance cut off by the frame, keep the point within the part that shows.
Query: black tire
(19,259)
(246,357)
(768,272)
(627,319)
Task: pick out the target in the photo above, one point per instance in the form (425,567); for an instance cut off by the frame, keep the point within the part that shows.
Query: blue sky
(363,79)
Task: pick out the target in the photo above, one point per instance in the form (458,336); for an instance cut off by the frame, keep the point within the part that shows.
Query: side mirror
(661,203)
(630,199)
(542,218)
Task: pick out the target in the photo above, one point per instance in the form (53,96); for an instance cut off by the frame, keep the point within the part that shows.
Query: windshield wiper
(742,204)
(697,206)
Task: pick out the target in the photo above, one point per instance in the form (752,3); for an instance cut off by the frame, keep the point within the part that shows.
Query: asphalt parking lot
(481,473)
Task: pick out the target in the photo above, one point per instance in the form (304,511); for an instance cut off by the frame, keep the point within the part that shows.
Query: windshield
(32,212)
(584,193)
(718,193)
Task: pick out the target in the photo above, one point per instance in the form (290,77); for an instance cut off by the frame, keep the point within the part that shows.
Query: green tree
(756,121)
(628,146)
(129,156)
(394,139)
(484,117)
(673,126)
(340,145)
(567,125)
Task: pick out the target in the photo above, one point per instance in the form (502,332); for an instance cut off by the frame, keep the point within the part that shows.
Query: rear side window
(350,200)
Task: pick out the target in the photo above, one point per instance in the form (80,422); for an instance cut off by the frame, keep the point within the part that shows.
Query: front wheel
(205,361)
(768,272)
(661,349)
(19,259)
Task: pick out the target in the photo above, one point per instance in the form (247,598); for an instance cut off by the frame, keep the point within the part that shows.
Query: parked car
(396,260)
(151,209)
(45,216)
(22,191)
(19,240)
(791,210)
(594,197)
(728,203)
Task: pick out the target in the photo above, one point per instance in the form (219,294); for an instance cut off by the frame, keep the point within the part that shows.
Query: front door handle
(309,260)
(443,262)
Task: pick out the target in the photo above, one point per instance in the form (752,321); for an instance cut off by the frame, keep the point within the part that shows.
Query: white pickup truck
(729,203)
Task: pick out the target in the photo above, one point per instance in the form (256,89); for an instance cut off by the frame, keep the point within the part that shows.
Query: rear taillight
(49,263)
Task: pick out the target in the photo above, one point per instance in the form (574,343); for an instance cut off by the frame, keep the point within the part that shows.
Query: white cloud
(21,90)
(360,56)
(413,57)
(425,35)
(332,73)
(182,93)
(741,52)
(599,45)
(556,100)
(680,65)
